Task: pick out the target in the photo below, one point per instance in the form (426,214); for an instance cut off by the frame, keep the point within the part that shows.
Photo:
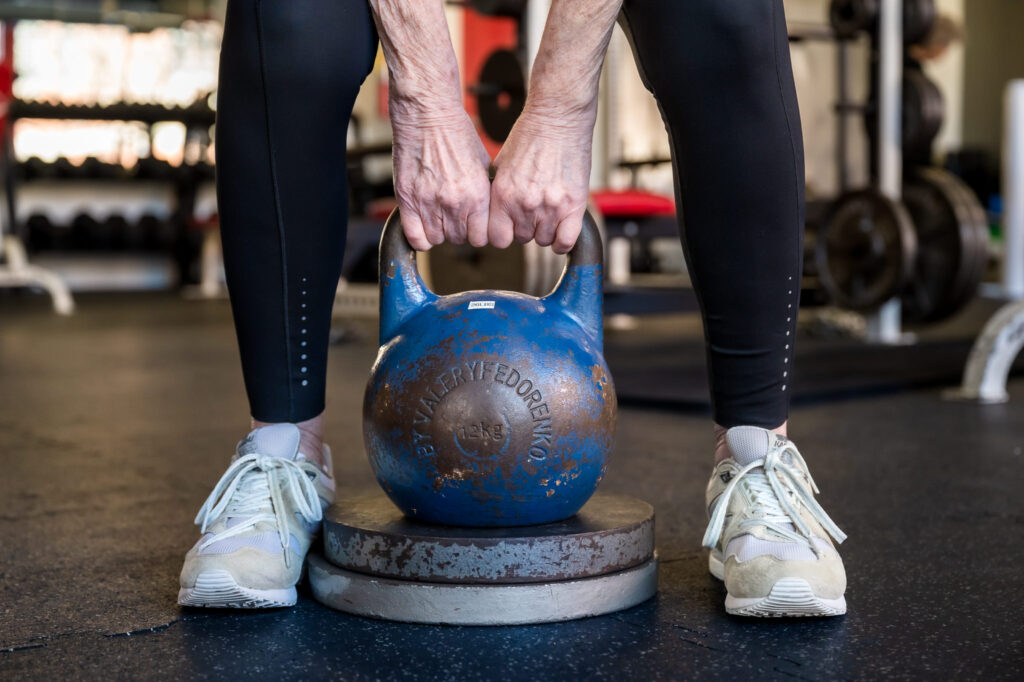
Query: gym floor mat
(115,423)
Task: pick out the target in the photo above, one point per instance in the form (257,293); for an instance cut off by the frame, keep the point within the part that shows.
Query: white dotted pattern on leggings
(789,321)
(302,356)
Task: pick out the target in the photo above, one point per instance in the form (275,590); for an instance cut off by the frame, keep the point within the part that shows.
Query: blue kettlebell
(489,408)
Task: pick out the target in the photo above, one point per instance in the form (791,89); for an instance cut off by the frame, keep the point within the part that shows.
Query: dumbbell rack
(183,181)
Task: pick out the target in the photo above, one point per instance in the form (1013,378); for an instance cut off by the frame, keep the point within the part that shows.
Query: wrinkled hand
(542,182)
(441,177)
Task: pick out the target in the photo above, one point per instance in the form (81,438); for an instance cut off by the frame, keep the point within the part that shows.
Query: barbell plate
(500,94)
(865,250)
(918,19)
(410,601)
(923,114)
(850,17)
(952,246)
(974,233)
(368,534)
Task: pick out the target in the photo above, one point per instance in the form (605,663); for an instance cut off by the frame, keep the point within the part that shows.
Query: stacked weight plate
(380,564)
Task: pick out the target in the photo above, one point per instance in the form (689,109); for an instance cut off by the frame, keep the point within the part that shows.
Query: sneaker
(257,524)
(769,538)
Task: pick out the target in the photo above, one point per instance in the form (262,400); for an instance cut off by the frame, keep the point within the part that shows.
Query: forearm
(423,71)
(567,70)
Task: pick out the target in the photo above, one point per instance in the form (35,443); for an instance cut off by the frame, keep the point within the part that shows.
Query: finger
(413,228)
(477,228)
(544,231)
(454,221)
(567,232)
(433,226)
(500,228)
(526,227)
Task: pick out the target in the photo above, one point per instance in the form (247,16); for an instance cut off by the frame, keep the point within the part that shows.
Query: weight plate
(865,250)
(850,17)
(975,234)
(924,110)
(922,114)
(952,246)
(918,19)
(500,94)
(370,535)
(411,601)
(977,219)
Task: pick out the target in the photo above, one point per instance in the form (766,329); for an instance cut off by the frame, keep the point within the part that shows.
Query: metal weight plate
(952,235)
(918,19)
(411,601)
(924,110)
(850,17)
(500,93)
(865,250)
(977,221)
(370,535)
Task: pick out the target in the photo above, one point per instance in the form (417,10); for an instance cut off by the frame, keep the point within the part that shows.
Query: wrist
(420,108)
(558,118)
(551,97)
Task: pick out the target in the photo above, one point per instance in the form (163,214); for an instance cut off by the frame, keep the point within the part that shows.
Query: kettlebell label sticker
(481,305)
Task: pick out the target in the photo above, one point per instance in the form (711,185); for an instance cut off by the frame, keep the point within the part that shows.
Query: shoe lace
(778,490)
(253,488)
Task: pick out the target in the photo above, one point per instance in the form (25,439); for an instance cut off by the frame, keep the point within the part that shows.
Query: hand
(441,175)
(542,183)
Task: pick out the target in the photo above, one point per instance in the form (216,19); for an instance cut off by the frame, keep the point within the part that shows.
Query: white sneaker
(768,536)
(257,524)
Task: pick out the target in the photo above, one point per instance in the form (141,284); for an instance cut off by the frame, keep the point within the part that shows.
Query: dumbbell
(40,232)
(117,230)
(86,233)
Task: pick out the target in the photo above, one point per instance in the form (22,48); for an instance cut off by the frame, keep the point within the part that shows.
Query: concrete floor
(115,423)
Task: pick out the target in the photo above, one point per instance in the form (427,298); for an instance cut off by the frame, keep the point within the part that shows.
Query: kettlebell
(489,408)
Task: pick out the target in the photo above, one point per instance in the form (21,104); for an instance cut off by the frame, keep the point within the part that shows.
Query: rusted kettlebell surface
(489,408)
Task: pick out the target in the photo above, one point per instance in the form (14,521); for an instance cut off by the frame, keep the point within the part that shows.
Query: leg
(290,71)
(720,70)
(289,75)
(721,73)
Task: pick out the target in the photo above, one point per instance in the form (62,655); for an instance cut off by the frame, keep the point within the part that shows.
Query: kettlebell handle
(402,291)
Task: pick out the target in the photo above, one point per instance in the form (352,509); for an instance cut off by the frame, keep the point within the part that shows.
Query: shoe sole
(218,590)
(788,598)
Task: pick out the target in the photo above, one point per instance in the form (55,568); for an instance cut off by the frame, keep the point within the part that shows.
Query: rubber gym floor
(116,422)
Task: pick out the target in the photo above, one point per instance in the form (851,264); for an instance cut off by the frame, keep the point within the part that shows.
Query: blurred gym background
(108,111)
(121,394)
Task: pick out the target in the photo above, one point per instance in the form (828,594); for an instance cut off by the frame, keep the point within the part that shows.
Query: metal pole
(1013,191)
(535,16)
(885,325)
(843,101)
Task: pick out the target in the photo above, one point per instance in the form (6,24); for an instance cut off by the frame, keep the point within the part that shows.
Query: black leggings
(721,73)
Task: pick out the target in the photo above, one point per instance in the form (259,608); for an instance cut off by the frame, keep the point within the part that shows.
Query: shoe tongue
(751,443)
(277,440)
